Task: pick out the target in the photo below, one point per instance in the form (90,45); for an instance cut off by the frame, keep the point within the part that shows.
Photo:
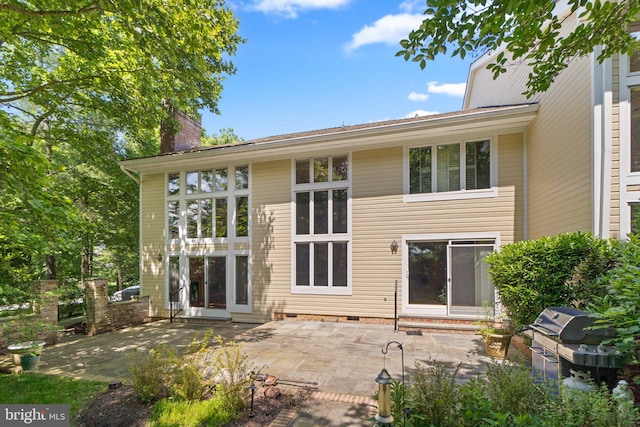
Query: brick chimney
(187,138)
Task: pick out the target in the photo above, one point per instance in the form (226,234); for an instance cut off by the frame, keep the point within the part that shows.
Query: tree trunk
(120,279)
(50,262)
(85,269)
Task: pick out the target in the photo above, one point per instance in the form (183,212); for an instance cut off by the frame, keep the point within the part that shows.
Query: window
(635,129)
(635,218)
(198,203)
(450,167)
(321,242)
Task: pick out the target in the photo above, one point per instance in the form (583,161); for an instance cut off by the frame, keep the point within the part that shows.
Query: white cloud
(389,29)
(450,89)
(410,6)
(420,113)
(290,8)
(414,96)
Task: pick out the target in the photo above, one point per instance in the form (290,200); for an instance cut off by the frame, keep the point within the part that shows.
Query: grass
(48,389)
(187,413)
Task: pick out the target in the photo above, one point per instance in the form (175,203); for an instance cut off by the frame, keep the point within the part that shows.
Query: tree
(83,84)
(226,136)
(528,29)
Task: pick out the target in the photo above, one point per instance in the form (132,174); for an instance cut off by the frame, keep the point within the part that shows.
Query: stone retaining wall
(103,316)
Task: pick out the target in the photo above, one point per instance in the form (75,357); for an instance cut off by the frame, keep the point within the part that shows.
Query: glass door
(208,282)
(448,277)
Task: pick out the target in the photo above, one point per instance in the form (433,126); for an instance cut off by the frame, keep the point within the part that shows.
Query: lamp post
(253,392)
(384,380)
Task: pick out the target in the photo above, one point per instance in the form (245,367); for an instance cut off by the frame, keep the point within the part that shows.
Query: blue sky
(314,64)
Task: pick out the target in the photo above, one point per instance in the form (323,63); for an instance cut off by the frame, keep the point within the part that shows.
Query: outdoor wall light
(394,247)
(159,257)
(384,380)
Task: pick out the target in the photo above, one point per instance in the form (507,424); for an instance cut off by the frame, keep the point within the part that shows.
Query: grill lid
(568,325)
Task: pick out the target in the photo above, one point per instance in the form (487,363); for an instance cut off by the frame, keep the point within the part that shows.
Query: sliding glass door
(448,277)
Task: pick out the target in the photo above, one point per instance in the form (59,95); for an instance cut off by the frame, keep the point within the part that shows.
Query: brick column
(97,306)
(48,301)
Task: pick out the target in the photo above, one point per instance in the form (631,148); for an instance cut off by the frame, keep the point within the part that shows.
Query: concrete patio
(343,358)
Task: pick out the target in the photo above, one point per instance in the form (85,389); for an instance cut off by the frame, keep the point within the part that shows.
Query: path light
(253,392)
(384,380)
(394,247)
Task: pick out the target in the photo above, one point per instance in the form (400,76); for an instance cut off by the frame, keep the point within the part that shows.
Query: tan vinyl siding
(152,221)
(559,156)
(614,227)
(379,216)
(271,238)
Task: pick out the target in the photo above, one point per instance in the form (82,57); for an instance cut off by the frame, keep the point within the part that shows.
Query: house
(336,223)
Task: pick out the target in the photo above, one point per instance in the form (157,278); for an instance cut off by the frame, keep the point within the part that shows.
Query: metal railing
(173,300)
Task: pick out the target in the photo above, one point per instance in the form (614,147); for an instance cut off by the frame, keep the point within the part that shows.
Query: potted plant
(495,335)
(26,332)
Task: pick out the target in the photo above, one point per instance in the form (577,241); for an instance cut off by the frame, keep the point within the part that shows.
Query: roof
(361,134)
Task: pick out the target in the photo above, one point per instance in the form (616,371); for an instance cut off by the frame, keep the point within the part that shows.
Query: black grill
(562,341)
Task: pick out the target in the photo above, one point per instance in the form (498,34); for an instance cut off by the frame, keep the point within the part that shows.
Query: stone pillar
(97,306)
(48,301)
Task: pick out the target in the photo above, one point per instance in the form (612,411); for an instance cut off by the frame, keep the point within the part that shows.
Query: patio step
(406,323)
(201,320)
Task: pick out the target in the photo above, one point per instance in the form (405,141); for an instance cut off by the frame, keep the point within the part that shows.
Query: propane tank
(621,392)
(580,381)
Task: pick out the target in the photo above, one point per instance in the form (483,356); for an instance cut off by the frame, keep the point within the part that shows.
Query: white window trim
(184,247)
(419,310)
(627,178)
(452,195)
(330,237)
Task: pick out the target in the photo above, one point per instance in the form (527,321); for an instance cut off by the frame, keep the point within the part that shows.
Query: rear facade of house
(305,225)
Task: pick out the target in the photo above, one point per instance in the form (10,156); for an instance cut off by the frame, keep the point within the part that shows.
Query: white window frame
(628,80)
(184,247)
(462,194)
(321,238)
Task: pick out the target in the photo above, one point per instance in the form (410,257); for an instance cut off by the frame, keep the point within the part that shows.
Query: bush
(552,271)
(620,307)
(507,396)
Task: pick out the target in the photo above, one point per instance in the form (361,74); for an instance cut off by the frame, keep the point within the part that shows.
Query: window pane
(420,170)
(192,182)
(302,264)
(242,280)
(242,216)
(635,129)
(242,177)
(428,273)
(449,167)
(635,218)
(303,172)
(321,264)
(173,212)
(206,181)
(221,179)
(321,170)
(221,217)
(174,278)
(174,184)
(217,281)
(339,263)
(196,282)
(206,218)
(340,168)
(339,211)
(192,219)
(302,213)
(478,163)
(320,212)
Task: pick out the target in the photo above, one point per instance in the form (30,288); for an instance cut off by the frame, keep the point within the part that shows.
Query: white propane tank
(622,393)
(579,381)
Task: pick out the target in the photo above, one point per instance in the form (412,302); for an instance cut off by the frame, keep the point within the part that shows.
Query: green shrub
(620,307)
(512,389)
(186,413)
(552,271)
(150,373)
(434,397)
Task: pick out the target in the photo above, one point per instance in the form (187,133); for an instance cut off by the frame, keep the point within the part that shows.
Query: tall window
(321,195)
(450,167)
(201,204)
